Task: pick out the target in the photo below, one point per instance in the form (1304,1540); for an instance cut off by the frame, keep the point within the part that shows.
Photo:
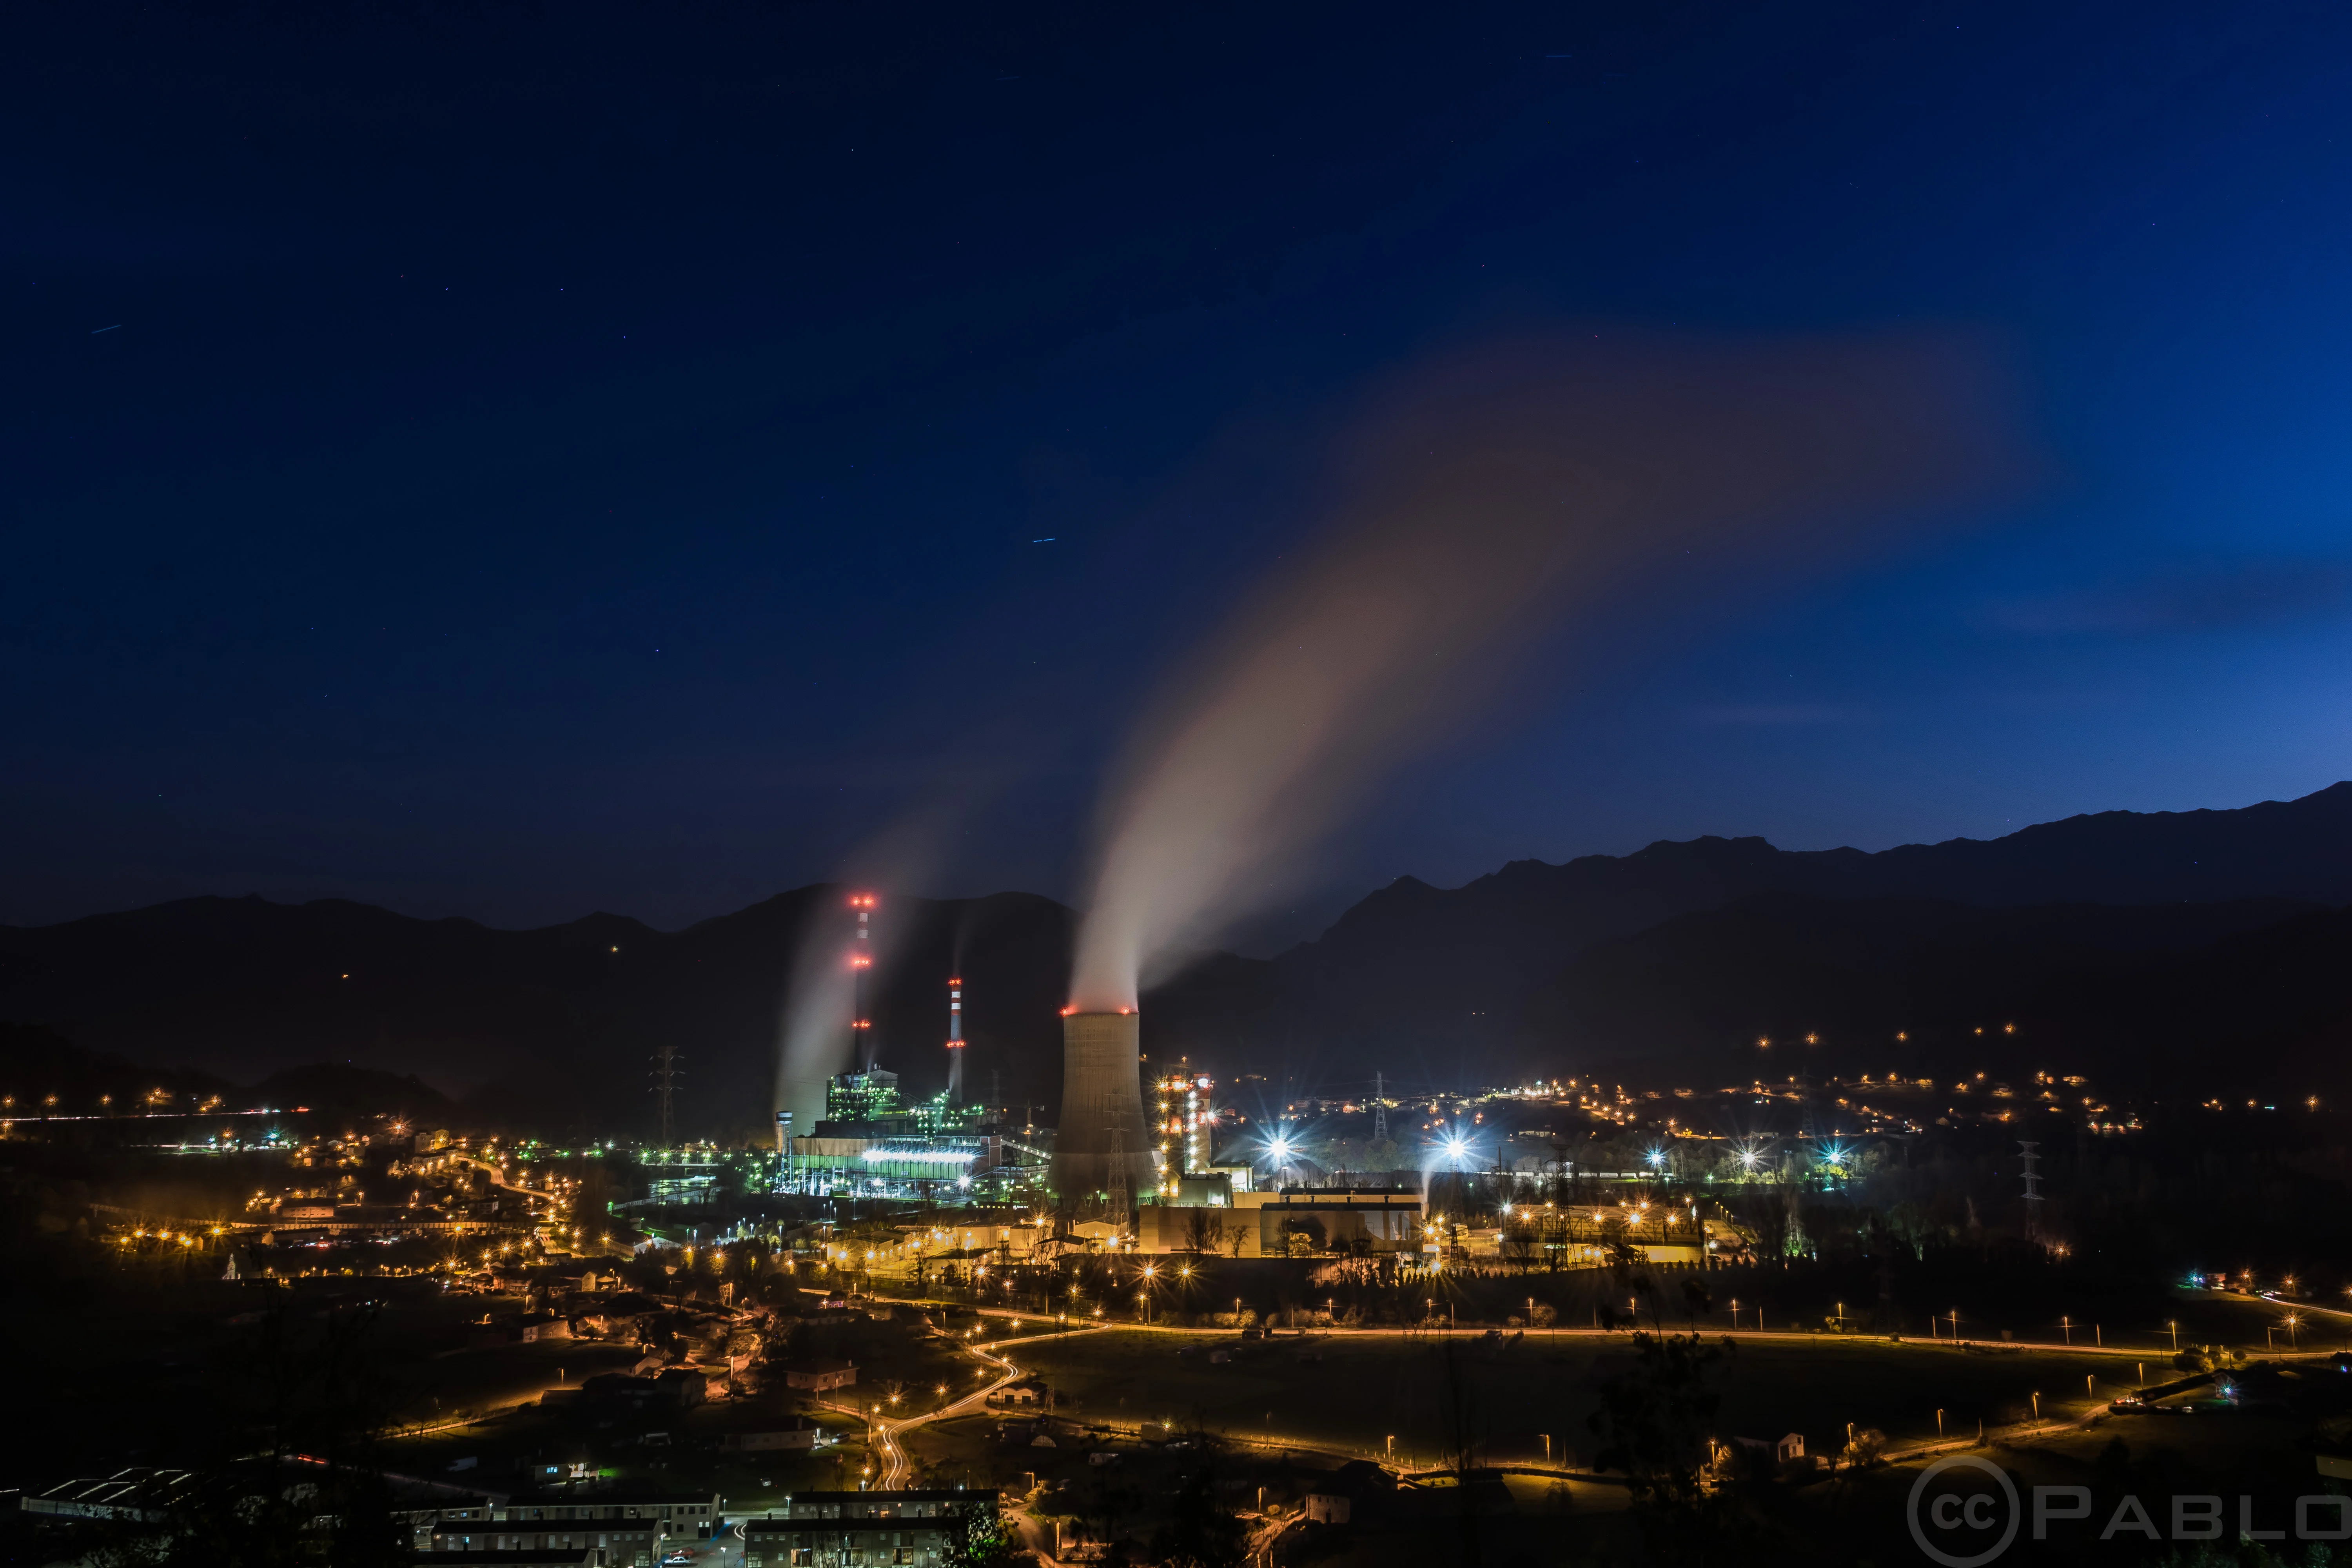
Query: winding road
(886,1432)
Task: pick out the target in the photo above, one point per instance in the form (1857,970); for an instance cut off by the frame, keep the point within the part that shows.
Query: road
(886,1432)
(2023,1431)
(497,1178)
(2061,1347)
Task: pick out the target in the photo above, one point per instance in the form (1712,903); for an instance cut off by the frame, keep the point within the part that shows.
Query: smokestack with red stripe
(955,1042)
(861,960)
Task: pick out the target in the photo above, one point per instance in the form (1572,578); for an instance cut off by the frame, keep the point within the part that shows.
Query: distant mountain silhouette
(36,1062)
(2147,998)
(550,1026)
(1443,984)
(1670,957)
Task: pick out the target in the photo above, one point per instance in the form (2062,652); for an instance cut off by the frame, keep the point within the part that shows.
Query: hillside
(2177,1000)
(549,1026)
(1669,956)
(1451,972)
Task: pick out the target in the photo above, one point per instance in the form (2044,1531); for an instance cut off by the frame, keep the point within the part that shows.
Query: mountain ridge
(1470,984)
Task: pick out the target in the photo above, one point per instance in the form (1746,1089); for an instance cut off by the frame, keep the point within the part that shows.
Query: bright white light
(1279,1148)
(920,1156)
(1657,1158)
(1457,1147)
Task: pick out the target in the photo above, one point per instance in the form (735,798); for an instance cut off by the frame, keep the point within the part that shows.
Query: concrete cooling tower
(1102,1157)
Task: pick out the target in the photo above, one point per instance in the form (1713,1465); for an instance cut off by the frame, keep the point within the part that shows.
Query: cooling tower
(1102,1157)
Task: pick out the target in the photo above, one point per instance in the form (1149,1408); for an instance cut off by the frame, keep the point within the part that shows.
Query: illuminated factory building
(1185,1109)
(872,1140)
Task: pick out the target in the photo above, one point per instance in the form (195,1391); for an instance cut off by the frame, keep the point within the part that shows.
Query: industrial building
(1275,1223)
(1184,1113)
(872,1140)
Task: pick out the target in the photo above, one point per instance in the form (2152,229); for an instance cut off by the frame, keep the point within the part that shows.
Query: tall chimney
(1101,1157)
(955,1042)
(861,960)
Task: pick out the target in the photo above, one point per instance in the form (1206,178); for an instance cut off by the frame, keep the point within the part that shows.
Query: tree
(1654,1419)
(1204,1229)
(1199,1534)
(982,1543)
(1519,1248)
(1862,1449)
(1302,1235)
(311,1490)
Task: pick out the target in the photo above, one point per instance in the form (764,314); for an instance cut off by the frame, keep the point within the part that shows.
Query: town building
(817,1376)
(799,1432)
(864,1530)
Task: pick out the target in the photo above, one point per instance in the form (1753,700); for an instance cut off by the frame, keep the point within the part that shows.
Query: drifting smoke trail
(815,1042)
(1485,501)
(813,1034)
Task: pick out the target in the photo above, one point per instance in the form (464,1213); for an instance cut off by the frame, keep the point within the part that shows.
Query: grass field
(1365,1388)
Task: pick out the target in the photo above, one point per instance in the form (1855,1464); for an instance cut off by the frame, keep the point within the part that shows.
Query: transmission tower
(2029,1149)
(1380,1109)
(1120,1207)
(666,1074)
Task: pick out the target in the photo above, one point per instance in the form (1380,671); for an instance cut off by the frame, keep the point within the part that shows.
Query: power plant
(1102,1154)
(871,1140)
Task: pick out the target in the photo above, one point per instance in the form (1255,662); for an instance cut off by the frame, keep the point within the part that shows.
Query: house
(623,1528)
(1029,1391)
(138,1493)
(552,1555)
(677,1388)
(836,1529)
(536,1326)
(802,1433)
(817,1376)
(1343,1496)
(684,1385)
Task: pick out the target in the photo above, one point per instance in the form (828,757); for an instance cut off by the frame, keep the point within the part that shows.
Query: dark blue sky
(510,462)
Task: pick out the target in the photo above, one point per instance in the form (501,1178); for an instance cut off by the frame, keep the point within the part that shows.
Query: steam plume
(813,1029)
(1480,502)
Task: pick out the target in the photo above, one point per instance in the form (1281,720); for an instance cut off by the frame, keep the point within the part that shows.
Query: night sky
(510,462)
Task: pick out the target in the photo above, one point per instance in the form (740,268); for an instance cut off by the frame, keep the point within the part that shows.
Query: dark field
(1366,1387)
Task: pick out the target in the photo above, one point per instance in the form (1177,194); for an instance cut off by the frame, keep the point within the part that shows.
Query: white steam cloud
(1482,502)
